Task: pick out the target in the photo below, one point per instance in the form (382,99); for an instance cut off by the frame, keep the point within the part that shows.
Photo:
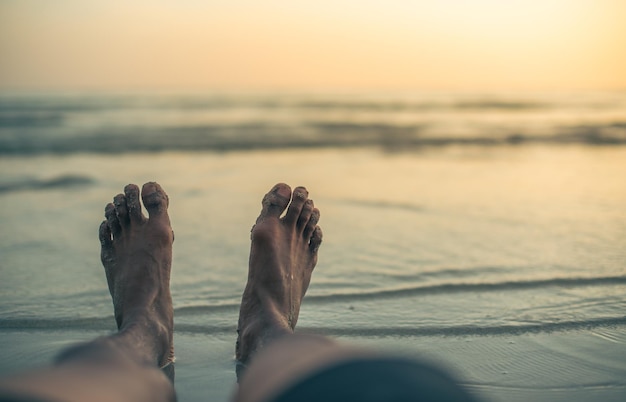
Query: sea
(483,229)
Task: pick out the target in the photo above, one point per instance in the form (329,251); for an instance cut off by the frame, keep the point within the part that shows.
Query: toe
(107,252)
(316,239)
(133,205)
(155,199)
(112,220)
(300,195)
(275,202)
(106,242)
(312,223)
(119,201)
(305,214)
(105,235)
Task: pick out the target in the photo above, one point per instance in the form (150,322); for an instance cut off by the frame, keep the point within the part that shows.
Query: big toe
(298,201)
(131,193)
(275,201)
(155,199)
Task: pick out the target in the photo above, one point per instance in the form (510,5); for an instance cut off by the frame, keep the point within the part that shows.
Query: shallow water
(423,245)
(492,237)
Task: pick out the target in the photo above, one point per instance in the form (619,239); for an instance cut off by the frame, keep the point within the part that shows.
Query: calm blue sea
(444,214)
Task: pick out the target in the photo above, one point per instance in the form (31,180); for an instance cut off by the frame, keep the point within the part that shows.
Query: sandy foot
(282,257)
(137,257)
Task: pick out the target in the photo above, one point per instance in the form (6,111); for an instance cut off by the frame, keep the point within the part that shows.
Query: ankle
(149,337)
(256,330)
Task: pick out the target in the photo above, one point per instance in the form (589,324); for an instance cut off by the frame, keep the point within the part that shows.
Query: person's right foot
(137,257)
(282,257)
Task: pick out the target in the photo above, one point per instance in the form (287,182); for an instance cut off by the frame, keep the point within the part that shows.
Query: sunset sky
(322,44)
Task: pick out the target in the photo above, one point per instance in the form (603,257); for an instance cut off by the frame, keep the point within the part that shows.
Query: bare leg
(282,257)
(137,257)
(296,367)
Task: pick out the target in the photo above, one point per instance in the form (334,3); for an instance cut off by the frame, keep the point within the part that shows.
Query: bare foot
(137,257)
(282,257)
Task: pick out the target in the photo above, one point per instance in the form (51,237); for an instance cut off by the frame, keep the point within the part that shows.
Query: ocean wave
(262,136)
(34,184)
(465,330)
(224,313)
(448,288)
(338,103)
(23,119)
(93,104)
(416,106)
(107,324)
(127,123)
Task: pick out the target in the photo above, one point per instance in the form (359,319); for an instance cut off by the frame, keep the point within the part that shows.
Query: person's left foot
(137,257)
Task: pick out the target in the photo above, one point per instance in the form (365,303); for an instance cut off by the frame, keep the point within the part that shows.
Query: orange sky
(322,44)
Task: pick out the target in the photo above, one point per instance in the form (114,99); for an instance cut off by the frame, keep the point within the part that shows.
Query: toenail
(300,194)
(283,191)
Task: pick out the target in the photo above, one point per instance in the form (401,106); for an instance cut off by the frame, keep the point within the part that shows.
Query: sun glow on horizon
(448,44)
